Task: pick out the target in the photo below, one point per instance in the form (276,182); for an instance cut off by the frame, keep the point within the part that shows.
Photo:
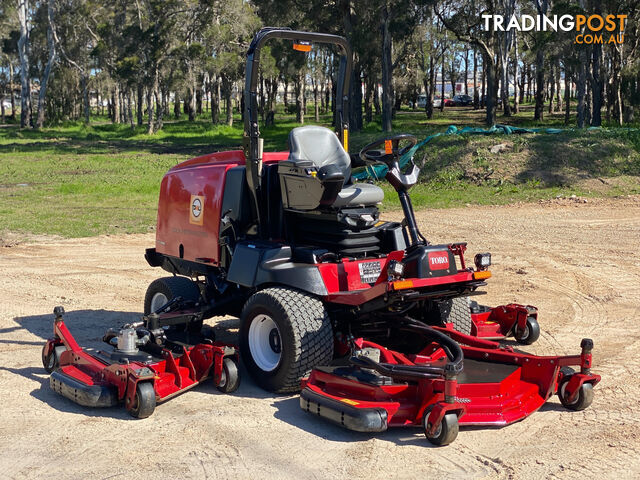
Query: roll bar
(251,141)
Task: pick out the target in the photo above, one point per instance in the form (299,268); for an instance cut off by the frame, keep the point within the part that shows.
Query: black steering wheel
(391,152)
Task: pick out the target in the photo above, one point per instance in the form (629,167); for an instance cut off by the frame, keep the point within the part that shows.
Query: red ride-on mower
(446,385)
(290,244)
(143,369)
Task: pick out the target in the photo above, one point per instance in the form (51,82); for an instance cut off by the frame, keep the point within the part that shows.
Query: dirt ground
(578,262)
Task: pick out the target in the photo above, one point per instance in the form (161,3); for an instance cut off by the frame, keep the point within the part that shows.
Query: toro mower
(455,380)
(143,369)
(290,244)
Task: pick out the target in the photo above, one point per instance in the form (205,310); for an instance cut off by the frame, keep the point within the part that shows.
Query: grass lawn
(75,180)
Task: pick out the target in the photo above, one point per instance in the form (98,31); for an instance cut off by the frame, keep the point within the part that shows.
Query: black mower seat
(322,147)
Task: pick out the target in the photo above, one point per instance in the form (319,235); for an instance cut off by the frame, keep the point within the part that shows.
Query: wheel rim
(265,343)
(158,300)
(525,333)
(564,396)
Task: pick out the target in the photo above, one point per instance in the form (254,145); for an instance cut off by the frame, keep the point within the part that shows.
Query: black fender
(255,264)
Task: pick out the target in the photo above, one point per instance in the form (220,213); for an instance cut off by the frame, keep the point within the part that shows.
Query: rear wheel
(284,333)
(165,289)
(530,334)
(458,312)
(144,402)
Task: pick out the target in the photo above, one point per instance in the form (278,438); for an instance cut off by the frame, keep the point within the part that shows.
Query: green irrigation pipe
(378,171)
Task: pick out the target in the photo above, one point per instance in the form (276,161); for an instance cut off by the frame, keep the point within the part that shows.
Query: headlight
(482,261)
(395,269)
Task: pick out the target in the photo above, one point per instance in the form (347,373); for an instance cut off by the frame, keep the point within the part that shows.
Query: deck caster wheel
(144,402)
(446,432)
(230,379)
(530,334)
(52,361)
(584,397)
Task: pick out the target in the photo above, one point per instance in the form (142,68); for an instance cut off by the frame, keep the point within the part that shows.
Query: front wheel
(583,399)
(284,333)
(530,334)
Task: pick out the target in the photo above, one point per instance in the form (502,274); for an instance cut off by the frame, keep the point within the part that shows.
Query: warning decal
(369,271)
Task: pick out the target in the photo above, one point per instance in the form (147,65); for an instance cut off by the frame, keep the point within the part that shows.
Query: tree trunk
(552,94)
(285,97)
(581,84)
(387,68)
(151,92)
(483,98)
(504,91)
(298,85)
(539,109)
(129,109)
(430,88)
(192,103)
(23,54)
(13,100)
(115,94)
(368,98)
(84,81)
(490,67)
(226,89)
(442,84)
(567,97)
(476,95)
(47,70)
(466,71)
(139,103)
(515,75)
(199,101)
(596,85)
(355,101)
(316,107)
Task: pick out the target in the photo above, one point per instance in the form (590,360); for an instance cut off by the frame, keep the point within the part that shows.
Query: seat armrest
(297,162)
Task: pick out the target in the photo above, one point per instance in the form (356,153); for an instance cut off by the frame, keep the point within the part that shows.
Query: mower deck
(140,378)
(496,387)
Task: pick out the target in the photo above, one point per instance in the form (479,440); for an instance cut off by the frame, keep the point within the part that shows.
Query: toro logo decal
(196,210)
(438,260)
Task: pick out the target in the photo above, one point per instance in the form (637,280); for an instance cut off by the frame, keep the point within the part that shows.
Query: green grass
(75,180)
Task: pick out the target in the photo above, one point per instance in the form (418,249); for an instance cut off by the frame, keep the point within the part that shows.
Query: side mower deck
(140,378)
(496,386)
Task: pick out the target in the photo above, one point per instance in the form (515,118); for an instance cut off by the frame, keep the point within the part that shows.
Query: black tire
(52,361)
(230,379)
(172,287)
(447,431)
(458,312)
(144,402)
(530,334)
(585,394)
(303,337)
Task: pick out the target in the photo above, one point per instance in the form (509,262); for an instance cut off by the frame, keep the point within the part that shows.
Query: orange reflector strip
(402,284)
(301,47)
(481,275)
(388,148)
(349,402)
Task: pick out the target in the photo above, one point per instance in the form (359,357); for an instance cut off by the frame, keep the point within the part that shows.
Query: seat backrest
(320,146)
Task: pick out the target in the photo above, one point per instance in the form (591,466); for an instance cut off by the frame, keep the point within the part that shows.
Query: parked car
(449,102)
(437,102)
(463,100)
(422,101)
